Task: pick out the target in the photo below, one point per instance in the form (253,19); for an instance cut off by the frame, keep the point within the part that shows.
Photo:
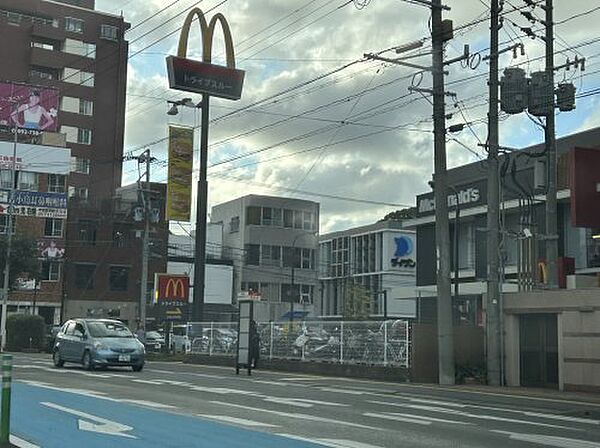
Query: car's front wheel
(58,362)
(87,362)
(137,367)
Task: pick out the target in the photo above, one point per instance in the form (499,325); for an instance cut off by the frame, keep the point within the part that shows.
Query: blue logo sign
(404,246)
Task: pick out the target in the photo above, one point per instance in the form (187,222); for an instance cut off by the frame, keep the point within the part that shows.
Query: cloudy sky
(317,121)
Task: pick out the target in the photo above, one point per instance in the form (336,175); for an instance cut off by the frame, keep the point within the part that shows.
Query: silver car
(98,343)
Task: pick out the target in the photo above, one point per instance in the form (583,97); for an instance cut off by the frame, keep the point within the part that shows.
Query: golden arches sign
(203,76)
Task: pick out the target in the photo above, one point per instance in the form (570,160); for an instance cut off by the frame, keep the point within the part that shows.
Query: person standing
(254,345)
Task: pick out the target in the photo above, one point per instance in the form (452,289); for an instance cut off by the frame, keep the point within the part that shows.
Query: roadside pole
(146,243)
(6,391)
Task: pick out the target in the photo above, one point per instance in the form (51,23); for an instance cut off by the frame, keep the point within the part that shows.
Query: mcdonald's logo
(203,76)
(172,288)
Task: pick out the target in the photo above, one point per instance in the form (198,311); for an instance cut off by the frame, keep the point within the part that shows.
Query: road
(178,405)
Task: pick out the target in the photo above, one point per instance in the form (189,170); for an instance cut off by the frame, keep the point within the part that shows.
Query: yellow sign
(179,185)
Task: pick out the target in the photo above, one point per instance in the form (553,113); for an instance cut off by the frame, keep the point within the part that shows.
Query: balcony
(48,31)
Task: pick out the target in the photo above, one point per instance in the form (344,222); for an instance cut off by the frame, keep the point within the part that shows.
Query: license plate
(124,358)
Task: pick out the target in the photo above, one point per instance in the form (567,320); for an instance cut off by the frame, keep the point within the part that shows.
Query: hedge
(24,331)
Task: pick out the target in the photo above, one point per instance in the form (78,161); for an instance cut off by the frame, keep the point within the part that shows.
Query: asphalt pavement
(179,405)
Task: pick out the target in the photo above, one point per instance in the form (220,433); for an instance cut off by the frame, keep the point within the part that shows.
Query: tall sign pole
(209,80)
(442,224)
(551,202)
(493,333)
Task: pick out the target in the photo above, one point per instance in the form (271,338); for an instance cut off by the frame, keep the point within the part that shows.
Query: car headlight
(100,346)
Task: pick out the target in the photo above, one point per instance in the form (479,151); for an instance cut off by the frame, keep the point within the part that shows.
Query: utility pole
(493,333)
(551,214)
(442,225)
(9,231)
(145,190)
(201,213)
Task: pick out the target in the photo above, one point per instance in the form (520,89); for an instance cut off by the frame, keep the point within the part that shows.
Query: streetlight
(187,102)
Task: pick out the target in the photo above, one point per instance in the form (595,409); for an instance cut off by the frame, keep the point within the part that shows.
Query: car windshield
(109,330)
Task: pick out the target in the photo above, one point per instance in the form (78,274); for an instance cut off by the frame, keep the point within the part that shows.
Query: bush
(24,331)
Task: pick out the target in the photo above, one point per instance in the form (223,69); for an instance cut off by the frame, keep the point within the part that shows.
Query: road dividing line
(342,391)
(237,421)
(398,418)
(296,416)
(547,441)
(149,404)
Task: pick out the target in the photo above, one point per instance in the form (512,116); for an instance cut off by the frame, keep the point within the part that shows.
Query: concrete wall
(578,334)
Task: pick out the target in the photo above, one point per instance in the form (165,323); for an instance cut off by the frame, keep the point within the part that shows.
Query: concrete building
(569,360)
(381,257)
(272,242)
(218,278)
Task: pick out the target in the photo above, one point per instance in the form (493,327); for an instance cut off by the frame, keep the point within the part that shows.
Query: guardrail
(382,343)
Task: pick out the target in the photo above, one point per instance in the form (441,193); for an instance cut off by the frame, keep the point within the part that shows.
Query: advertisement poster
(51,249)
(29,107)
(179,184)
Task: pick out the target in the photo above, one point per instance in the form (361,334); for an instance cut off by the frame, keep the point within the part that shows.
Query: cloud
(358,133)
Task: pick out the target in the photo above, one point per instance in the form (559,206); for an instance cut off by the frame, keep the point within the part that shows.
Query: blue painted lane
(51,418)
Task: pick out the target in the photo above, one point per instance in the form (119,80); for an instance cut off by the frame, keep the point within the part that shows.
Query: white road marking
(297,416)
(547,441)
(237,421)
(469,415)
(342,391)
(416,421)
(334,443)
(432,419)
(153,382)
(84,392)
(150,404)
(17,441)
(201,375)
(288,401)
(97,424)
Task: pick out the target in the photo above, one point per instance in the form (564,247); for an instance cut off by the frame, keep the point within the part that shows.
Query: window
(121,236)
(81,193)
(118,278)
(291,257)
(298,219)
(277,217)
(56,183)
(6,179)
(109,32)
(234,224)
(306,260)
(308,221)
(266,216)
(253,254)
(290,293)
(84,276)
(43,73)
(43,45)
(76,105)
(306,294)
(86,230)
(271,255)
(86,107)
(84,136)
(288,218)
(73,25)
(50,271)
(28,181)
(4,224)
(77,135)
(53,227)
(82,165)
(76,76)
(73,46)
(253,216)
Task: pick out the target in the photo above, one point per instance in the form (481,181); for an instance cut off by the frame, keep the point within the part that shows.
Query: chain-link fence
(383,343)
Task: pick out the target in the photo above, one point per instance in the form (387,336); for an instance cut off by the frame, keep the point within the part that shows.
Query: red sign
(172,288)
(585,187)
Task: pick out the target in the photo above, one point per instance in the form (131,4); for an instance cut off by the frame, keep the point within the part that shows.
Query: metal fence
(382,343)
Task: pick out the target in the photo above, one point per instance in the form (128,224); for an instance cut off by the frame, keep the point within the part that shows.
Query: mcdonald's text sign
(201,77)
(171,288)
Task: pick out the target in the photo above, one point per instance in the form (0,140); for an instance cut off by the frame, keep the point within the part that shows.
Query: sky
(317,120)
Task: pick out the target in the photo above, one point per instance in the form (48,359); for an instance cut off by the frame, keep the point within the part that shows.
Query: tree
(23,258)
(357,302)
(399,215)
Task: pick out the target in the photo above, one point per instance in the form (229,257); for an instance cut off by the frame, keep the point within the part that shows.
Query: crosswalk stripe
(547,441)
(237,421)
